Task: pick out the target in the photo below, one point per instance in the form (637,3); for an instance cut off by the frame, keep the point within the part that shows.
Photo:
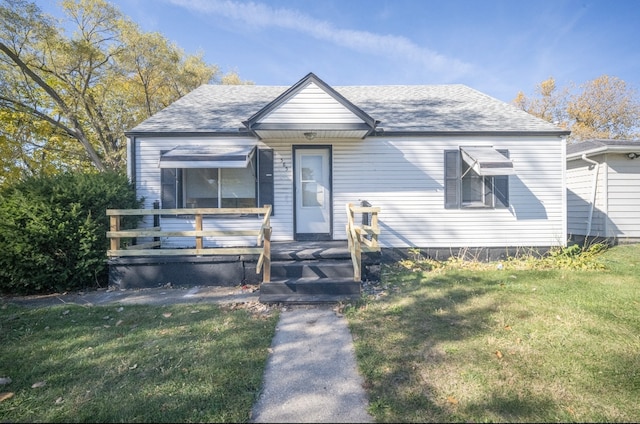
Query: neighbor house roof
(398,109)
(594,147)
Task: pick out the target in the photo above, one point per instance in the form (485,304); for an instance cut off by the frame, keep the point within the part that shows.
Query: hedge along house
(603,190)
(451,168)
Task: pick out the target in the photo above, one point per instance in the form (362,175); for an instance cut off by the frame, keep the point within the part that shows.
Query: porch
(288,272)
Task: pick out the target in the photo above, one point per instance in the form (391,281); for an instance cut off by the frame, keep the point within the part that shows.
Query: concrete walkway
(311,374)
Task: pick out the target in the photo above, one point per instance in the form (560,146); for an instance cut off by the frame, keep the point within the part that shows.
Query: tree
(78,93)
(602,108)
(549,103)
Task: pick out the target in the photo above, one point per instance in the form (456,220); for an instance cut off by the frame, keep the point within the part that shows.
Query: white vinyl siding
(580,190)
(311,105)
(623,196)
(404,176)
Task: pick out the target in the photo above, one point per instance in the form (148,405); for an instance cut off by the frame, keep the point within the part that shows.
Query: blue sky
(499,47)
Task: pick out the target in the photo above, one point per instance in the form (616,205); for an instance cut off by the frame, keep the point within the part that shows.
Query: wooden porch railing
(262,234)
(363,238)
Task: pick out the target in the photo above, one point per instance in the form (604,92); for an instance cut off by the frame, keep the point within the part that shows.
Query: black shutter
(501,187)
(171,188)
(265,178)
(169,183)
(451,179)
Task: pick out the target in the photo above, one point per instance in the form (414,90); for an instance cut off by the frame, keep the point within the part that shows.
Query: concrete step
(325,268)
(309,290)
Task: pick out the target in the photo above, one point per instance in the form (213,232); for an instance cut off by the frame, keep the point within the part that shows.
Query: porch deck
(301,272)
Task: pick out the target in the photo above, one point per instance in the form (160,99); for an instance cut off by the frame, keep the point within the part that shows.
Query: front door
(312,185)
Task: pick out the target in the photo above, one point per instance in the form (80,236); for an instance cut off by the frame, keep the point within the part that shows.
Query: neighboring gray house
(450,167)
(603,190)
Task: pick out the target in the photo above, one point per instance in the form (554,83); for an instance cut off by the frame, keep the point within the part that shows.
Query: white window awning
(487,161)
(207,157)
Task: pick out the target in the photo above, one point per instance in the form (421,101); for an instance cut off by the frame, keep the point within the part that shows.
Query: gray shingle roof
(399,108)
(589,145)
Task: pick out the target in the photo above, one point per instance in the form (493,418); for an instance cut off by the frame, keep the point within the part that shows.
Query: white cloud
(388,46)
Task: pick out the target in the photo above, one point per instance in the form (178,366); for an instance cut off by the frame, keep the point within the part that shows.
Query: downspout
(595,188)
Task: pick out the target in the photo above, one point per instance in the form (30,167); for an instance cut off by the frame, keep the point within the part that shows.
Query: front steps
(311,272)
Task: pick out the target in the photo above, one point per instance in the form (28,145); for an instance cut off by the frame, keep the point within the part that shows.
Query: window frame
(495,188)
(173,187)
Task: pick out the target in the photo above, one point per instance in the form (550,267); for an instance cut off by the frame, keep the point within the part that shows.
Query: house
(603,190)
(450,168)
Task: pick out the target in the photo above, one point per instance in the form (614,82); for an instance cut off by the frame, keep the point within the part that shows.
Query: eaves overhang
(427,133)
(608,146)
(242,132)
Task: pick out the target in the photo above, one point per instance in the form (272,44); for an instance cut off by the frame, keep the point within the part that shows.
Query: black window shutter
(451,179)
(501,186)
(168,182)
(265,178)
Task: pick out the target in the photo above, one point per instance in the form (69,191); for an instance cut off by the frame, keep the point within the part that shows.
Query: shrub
(53,231)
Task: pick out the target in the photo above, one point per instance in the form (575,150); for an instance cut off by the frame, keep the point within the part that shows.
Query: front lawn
(529,342)
(184,363)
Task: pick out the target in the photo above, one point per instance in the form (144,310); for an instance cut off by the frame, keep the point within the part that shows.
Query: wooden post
(266,267)
(199,228)
(114,225)
(374,227)
(156,218)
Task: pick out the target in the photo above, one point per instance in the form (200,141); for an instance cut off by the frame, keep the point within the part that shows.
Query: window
(476,178)
(219,187)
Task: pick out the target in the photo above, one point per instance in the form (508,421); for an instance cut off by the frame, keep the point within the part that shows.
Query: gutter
(594,190)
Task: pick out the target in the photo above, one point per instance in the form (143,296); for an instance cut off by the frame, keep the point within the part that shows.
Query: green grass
(184,363)
(528,343)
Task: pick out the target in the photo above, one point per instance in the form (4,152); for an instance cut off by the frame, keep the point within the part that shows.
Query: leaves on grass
(498,354)
(38,384)
(452,400)
(6,395)
(507,327)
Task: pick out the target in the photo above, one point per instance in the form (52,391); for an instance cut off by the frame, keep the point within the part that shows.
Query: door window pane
(311,179)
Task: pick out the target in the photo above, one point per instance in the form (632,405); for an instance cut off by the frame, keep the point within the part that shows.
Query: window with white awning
(487,161)
(207,157)
(209,177)
(477,177)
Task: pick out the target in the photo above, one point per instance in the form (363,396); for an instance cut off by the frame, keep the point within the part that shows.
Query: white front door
(312,182)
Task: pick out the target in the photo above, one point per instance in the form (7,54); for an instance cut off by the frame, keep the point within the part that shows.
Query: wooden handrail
(262,234)
(363,238)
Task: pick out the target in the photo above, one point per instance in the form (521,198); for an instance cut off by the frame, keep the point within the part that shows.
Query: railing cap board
(190,211)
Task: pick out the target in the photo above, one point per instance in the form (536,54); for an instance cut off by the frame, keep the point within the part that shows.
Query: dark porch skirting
(158,271)
(230,270)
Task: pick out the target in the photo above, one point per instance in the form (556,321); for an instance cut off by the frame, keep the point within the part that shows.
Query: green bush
(53,231)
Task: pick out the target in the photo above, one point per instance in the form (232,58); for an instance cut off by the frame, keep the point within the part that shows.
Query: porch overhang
(207,157)
(486,161)
(266,131)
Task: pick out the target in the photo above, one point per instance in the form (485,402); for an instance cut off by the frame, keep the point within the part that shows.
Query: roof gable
(311,106)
